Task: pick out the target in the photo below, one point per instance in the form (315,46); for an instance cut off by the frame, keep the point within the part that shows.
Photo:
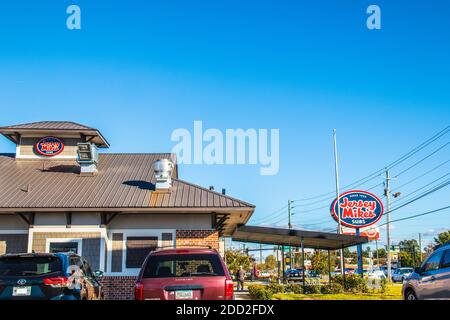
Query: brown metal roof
(124,181)
(50,125)
(292,237)
(53,127)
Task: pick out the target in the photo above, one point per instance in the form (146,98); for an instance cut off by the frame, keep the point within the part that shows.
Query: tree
(442,238)
(319,262)
(270,262)
(235,259)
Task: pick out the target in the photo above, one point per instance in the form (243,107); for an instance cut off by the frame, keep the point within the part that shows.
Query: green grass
(393,292)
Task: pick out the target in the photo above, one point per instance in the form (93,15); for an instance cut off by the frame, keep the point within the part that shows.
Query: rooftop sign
(49,146)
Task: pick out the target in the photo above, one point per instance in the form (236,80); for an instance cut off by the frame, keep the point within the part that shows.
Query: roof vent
(163,173)
(87,158)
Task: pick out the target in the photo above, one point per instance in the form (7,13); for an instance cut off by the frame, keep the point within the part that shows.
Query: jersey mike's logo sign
(49,146)
(358,209)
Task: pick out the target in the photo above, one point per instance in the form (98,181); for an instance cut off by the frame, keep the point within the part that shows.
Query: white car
(401,274)
(377,274)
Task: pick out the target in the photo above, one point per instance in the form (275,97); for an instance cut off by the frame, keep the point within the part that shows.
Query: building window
(137,249)
(60,246)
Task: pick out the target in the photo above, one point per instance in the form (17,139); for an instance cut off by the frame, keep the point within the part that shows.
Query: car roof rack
(185,247)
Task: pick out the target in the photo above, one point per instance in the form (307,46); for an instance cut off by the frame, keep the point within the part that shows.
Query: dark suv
(184,274)
(59,276)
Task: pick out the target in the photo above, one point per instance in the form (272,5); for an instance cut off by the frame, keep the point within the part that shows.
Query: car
(431,281)
(264,275)
(184,274)
(294,275)
(58,276)
(377,275)
(401,274)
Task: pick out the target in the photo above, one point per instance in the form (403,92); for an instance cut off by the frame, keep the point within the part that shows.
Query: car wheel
(410,295)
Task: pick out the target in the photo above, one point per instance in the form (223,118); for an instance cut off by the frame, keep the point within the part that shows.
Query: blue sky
(137,70)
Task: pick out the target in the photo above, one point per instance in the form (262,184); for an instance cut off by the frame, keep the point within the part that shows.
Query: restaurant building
(58,193)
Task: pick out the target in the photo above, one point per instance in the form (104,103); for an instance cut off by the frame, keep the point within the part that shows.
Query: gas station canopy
(291,237)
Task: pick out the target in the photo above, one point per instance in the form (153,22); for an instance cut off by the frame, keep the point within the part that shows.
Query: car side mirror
(98,274)
(418,270)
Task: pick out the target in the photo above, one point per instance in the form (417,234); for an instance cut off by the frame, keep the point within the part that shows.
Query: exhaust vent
(87,158)
(163,173)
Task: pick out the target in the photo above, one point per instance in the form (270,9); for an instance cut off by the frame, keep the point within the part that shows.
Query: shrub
(275,288)
(312,290)
(294,288)
(353,283)
(259,292)
(332,288)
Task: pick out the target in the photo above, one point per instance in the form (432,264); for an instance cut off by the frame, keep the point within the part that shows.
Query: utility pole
(290,227)
(336,167)
(388,224)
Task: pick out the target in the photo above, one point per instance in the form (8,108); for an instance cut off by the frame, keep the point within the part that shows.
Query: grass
(393,292)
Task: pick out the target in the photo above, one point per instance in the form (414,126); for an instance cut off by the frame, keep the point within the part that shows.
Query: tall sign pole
(336,167)
(388,224)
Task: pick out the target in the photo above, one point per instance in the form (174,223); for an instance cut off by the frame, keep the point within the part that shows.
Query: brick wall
(197,238)
(118,288)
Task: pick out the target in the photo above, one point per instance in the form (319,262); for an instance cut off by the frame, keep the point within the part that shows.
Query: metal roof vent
(163,173)
(87,158)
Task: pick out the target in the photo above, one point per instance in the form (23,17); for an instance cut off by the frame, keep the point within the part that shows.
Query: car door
(444,276)
(92,283)
(428,286)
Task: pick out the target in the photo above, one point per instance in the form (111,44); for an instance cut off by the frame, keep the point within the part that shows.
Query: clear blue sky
(137,70)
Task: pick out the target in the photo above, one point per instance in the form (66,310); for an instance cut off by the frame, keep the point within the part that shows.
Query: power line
(444,184)
(417,215)
(422,160)
(423,187)
(391,165)
(422,175)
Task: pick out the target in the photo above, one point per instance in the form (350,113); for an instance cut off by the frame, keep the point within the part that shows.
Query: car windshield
(183,265)
(404,271)
(28,266)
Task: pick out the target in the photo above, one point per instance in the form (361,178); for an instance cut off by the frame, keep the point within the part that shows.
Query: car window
(29,266)
(446,260)
(433,262)
(183,265)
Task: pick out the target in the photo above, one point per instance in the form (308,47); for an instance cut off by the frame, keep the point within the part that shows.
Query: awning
(291,237)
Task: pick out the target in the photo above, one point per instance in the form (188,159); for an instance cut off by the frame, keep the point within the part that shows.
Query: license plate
(184,295)
(21,291)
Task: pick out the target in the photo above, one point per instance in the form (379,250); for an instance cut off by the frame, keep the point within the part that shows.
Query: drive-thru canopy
(296,238)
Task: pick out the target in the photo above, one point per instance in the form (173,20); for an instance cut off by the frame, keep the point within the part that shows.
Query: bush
(353,283)
(259,292)
(275,288)
(293,288)
(333,288)
(312,290)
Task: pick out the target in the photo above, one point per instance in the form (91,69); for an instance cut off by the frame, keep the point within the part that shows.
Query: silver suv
(432,279)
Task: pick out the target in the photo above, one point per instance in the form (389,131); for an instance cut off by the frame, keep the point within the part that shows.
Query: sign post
(360,258)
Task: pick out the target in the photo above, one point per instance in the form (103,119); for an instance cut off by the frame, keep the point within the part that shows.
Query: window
(433,262)
(29,266)
(446,260)
(56,247)
(183,265)
(137,249)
